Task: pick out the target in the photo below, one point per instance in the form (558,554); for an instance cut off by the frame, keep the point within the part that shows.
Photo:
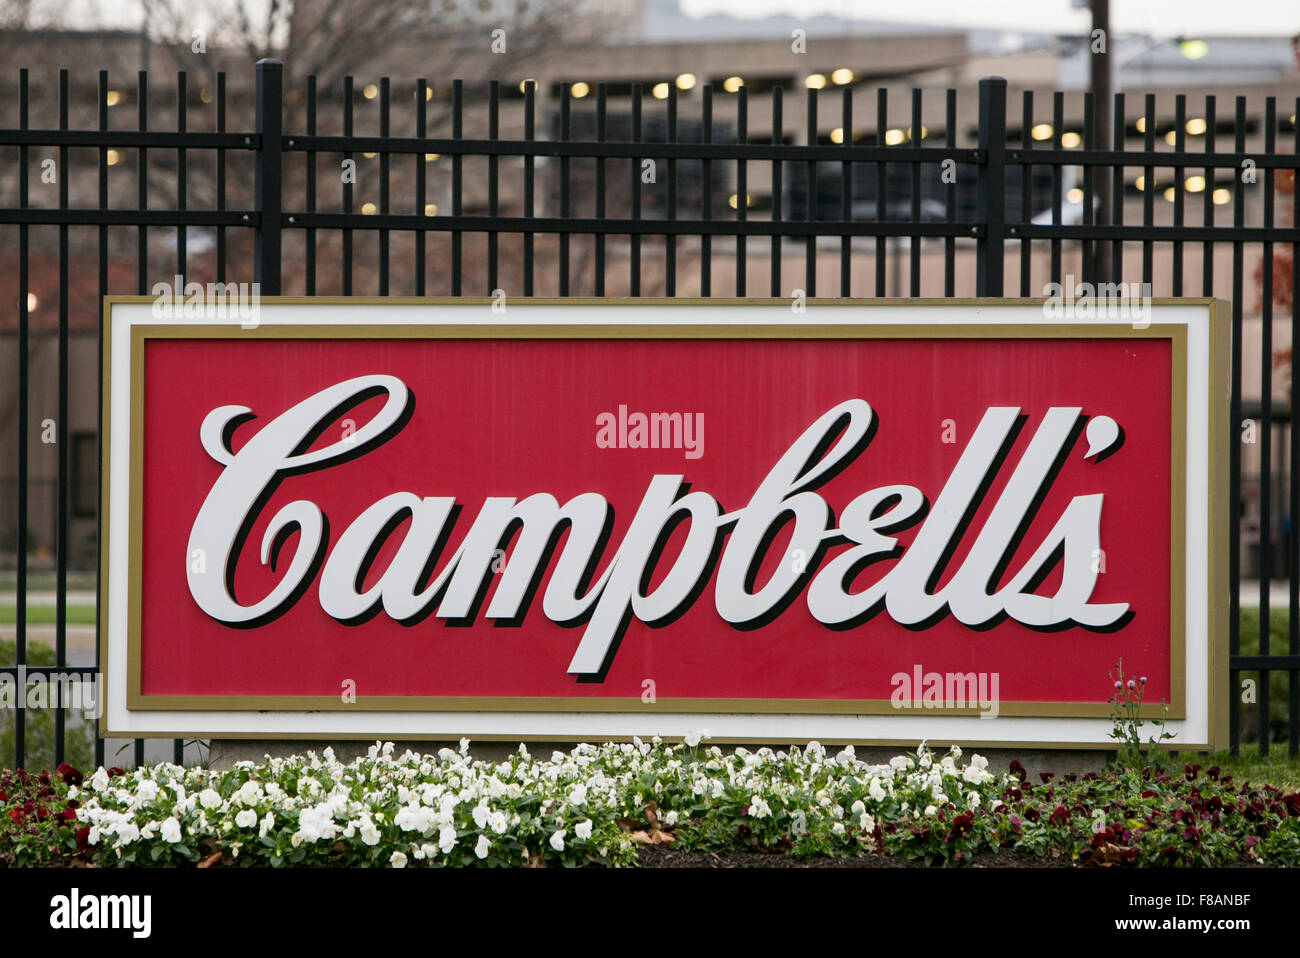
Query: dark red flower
(1045,776)
(68,814)
(1017,769)
(15,814)
(962,825)
(1060,816)
(83,837)
(1032,813)
(70,775)
(114,772)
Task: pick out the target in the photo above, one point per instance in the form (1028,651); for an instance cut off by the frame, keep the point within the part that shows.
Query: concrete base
(226,752)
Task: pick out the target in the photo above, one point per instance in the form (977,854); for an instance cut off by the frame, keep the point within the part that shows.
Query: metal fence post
(990,197)
(268,184)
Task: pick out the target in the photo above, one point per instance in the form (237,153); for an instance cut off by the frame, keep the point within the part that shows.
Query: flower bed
(599,804)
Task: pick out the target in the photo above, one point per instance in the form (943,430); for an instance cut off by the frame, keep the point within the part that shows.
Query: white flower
(99,781)
(146,791)
(483,846)
(250,793)
(583,830)
(398,860)
(127,832)
(171,831)
(246,819)
(670,819)
(447,838)
(210,798)
(973,800)
(557,840)
(579,795)
(876,790)
(267,824)
(759,808)
(692,739)
(930,811)
(838,828)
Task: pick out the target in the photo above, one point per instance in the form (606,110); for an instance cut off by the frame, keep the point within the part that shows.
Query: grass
(1276,768)
(45,615)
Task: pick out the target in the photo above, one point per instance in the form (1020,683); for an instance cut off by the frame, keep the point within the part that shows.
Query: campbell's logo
(600,586)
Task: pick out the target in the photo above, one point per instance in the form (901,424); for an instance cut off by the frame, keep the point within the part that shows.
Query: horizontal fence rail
(595,194)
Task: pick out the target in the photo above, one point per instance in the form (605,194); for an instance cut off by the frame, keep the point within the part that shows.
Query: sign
(861,522)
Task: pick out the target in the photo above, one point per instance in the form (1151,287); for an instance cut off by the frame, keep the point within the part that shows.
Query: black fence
(625,197)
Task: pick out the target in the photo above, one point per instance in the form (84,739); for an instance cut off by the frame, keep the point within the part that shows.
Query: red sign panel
(748,520)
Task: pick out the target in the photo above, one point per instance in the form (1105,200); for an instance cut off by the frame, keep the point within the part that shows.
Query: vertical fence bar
(1117,192)
(1058,171)
(1266,427)
(221,179)
(1026,188)
(309,279)
(634,247)
(914,254)
(142,187)
(810,200)
(670,239)
(385,104)
(742,187)
(457,174)
(882,186)
(494,171)
(1234,448)
(1149,184)
(348,158)
(142,247)
(24,412)
(1293,473)
(181,258)
(1180,181)
(1087,250)
(778,138)
(102,286)
(530,133)
(706,191)
(601,135)
(950,199)
(267,200)
(846,189)
(61,435)
(1207,248)
(566,119)
(991,194)
(421,177)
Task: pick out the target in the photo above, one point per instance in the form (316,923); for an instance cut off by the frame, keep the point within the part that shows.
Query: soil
(658,856)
